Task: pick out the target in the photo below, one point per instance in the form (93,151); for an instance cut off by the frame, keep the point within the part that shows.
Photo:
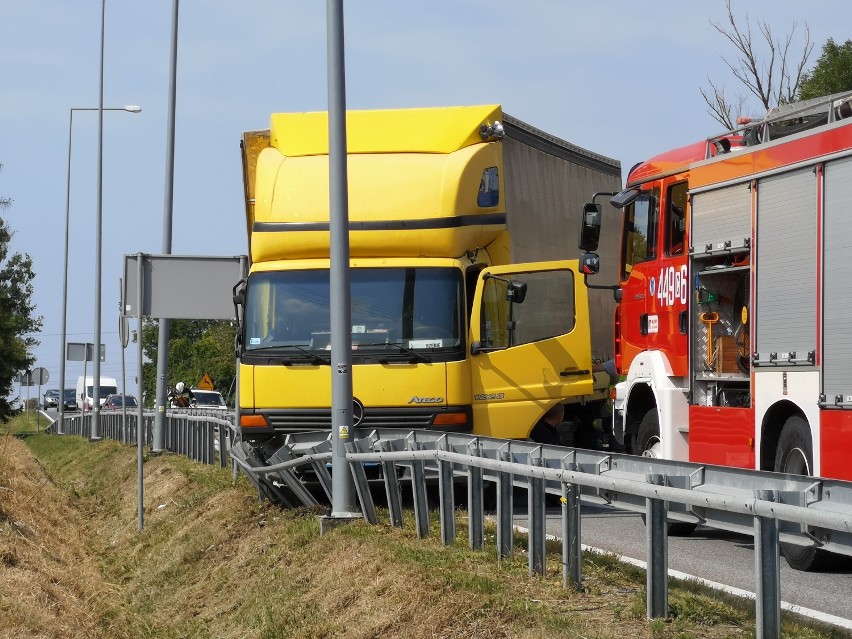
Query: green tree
(196,348)
(17,319)
(832,72)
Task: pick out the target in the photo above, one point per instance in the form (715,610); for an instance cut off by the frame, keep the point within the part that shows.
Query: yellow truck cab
(450,330)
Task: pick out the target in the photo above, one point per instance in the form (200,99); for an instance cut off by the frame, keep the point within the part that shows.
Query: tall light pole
(95,432)
(343,505)
(158,434)
(130,109)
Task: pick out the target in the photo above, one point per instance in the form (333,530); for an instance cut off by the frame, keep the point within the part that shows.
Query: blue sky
(619,77)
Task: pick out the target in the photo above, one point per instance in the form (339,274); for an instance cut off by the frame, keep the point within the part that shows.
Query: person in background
(544,432)
(608,366)
(181,397)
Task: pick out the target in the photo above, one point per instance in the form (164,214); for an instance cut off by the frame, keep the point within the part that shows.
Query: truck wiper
(413,356)
(314,358)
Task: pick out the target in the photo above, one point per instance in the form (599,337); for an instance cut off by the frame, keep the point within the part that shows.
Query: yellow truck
(461,321)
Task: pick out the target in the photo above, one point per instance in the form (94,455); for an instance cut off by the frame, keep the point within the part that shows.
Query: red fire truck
(733,331)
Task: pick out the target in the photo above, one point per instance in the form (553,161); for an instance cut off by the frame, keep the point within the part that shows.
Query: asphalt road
(722,557)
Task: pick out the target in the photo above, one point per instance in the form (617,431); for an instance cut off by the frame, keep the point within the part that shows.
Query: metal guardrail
(203,436)
(771,507)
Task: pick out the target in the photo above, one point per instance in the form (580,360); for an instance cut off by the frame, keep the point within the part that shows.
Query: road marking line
(823,617)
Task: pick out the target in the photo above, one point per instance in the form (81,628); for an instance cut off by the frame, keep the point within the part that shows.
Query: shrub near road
(213,562)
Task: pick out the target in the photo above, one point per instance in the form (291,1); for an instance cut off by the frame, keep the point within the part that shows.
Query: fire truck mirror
(590,229)
(624,198)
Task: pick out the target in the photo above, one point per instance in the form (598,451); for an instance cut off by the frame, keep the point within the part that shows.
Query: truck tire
(648,444)
(648,439)
(795,457)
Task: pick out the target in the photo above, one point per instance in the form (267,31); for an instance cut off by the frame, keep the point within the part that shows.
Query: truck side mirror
(239,296)
(590,264)
(590,227)
(516,292)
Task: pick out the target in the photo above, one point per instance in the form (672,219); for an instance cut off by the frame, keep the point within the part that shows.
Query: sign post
(148,291)
(39,377)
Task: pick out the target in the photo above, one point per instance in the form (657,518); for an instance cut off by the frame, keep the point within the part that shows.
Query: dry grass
(213,562)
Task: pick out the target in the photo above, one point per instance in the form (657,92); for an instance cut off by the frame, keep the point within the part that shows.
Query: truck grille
(320,419)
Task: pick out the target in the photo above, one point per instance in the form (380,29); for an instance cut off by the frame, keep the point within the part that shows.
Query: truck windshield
(417,309)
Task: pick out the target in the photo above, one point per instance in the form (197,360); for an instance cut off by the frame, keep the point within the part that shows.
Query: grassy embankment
(213,562)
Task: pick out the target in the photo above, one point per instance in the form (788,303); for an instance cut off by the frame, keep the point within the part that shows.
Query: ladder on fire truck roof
(784,120)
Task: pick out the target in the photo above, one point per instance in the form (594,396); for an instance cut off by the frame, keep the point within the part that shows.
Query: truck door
(530,344)
(639,316)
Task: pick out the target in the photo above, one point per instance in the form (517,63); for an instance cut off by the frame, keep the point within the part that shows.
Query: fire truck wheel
(648,445)
(795,457)
(648,440)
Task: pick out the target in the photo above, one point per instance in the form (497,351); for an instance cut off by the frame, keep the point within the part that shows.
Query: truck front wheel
(649,444)
(648,439)
(795,457)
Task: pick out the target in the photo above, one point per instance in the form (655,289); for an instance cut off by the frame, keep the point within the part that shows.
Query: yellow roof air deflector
(429,130)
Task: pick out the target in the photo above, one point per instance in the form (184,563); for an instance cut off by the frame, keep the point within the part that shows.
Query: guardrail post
(169,432)
(475,509)
(418,490)
(536,518)
(209,443)
(392,488)
(505,529)
(767,572)
(447,505)
(321,470)
(191,429)
(201,433)
(195,430)
(572,552)
(657,541)
(224,445)
(362,487)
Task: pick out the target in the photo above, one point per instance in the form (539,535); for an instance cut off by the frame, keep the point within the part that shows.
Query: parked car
(69,399)
(51,399)
(114,402)
(208,400)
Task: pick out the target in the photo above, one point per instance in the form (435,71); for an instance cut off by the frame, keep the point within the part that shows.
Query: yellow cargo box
(422,182)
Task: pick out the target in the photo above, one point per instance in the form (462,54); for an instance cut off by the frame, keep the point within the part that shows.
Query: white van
(84,395)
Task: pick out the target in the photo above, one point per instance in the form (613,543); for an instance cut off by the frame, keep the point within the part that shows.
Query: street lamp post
(129,109)
(158,431)
(95,428)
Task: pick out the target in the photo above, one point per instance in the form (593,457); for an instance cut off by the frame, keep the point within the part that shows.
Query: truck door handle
(570,373)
